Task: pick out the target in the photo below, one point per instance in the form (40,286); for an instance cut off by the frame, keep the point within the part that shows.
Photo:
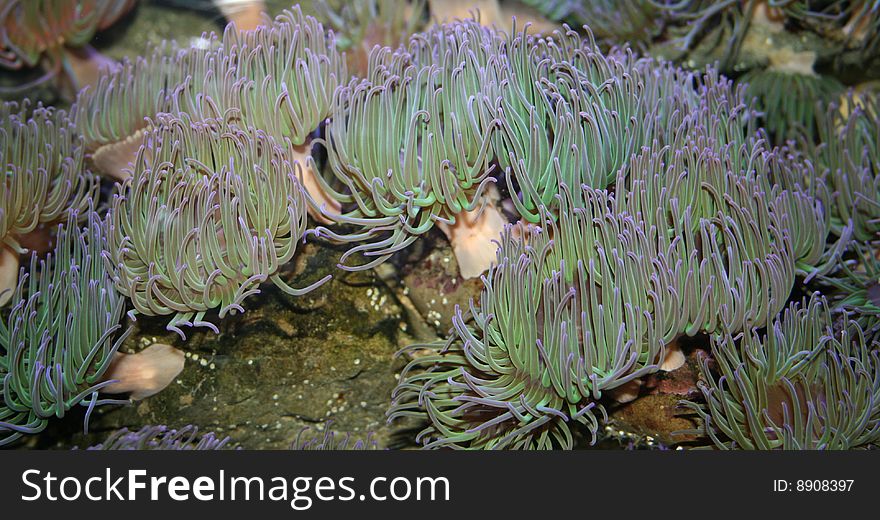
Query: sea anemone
(857,24)
(325,439)
(571,114)
(568,114)
(806,200)
(279,78)
(848,157)
(161,437)
(363,24)
(713,215)
(42,157)
(61,337)
(692,20)
(800,386)
(568,313)
(432,162)
(616,23)
(55,34)
(855,284)
(113,115)
(209,213)
(787,94)
(245,15)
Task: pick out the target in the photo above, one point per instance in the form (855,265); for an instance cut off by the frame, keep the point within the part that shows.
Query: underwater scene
(460,224)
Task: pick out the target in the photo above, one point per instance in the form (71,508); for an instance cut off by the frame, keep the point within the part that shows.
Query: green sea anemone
(806,200)
(788,101)
(42,158)
(802,385)
(161,437)
(855,284)
(209,213)
(715,218)
(848,157)
(285,75)
(616,23)
(857,24)
(54,34)
(60,339)
(568,114)
(691,21)
(568,313)
(326,439)
(279,78)
(363,24)
(112,115)
(432,161)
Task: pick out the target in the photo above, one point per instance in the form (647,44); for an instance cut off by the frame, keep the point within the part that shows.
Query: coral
(62,335)
(802,385)
(210,212)
(42,159)
(160,437)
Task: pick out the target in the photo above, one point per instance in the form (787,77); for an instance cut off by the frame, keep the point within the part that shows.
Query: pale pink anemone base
(245,14)
(307,177)
(8,273)
(491,13)
(475,235)
(145,373)
(114,160)
(85,65)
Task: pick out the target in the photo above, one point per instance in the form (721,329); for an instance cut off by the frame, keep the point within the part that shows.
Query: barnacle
(802,385)
(209,213)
